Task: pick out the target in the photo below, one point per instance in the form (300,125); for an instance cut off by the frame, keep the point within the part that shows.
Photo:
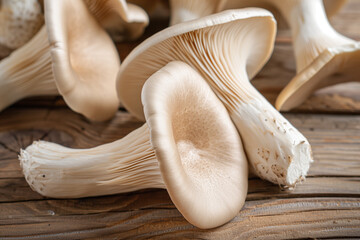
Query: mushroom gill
(188,145)
(227,49)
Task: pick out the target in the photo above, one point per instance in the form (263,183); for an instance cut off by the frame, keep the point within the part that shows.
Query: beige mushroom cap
(197,146)
(156,51)
(342,62)
(20,20)
(85,60)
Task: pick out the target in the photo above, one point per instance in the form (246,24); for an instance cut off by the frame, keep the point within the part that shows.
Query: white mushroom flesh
(199,155)
(85,60)
(320,52)
(125,165)
(225,54)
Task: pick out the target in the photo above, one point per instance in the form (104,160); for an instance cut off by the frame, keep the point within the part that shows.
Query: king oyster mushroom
(227,49)
(84,59)
(323,56)
(320,52)
(78,62)
(188,145)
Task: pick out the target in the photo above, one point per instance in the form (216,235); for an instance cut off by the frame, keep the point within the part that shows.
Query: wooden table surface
(326,205)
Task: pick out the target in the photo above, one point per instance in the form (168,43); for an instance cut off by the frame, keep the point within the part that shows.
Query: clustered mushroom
(275,149)
(323,56)
(320,52)
(188,145)
(66,58)
(205,124)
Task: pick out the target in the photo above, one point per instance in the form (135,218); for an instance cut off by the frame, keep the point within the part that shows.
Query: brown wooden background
(326,205)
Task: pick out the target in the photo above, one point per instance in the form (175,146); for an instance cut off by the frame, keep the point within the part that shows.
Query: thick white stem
(125,165)
(276,150)
(227,74)
(27,72)
(310,28)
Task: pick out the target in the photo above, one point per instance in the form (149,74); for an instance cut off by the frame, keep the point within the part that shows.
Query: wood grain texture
(263,219)
(327,204)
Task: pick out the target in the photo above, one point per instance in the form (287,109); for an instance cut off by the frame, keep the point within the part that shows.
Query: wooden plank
(326,205)
(335,139)
(17,190)
(137,213)
(274,218)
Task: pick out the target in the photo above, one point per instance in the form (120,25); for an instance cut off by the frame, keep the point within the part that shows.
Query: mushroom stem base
(276,150)
(126,165)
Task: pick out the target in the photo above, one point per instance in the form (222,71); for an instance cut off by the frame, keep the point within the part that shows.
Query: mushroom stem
(311,30)
(27,72)
(128,164)
(323,56)
(227,55)
(277,151)
(189,146)
(270,141)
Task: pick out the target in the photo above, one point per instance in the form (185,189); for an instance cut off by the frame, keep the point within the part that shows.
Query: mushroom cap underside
(253,29)
(85,60)
(334,65)
(198,148)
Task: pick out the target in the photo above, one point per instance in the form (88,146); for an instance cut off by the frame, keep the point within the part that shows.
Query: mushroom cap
(252,26)
(342,61)
(85,60)
(198,148)
(332,7)
(20,20)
